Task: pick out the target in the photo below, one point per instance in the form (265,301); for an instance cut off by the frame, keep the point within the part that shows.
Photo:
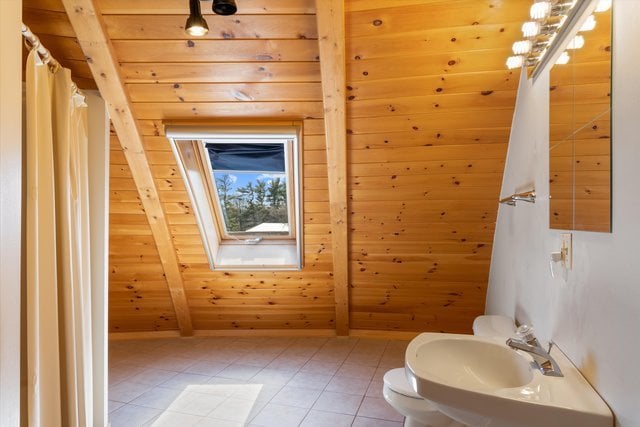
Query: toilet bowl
(417,411)
(420,412)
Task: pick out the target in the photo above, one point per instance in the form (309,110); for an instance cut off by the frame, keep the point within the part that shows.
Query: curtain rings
(52,63)
(32,44)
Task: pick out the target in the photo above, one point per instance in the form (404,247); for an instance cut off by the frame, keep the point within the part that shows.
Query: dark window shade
(247,157)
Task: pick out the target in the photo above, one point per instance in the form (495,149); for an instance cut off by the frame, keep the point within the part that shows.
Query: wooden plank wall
(139,297)
(261,63)
(429,109)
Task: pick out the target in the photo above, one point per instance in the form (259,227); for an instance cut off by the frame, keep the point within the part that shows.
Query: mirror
(580,134)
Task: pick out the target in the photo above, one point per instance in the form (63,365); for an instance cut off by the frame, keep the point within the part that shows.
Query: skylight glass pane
(251,183)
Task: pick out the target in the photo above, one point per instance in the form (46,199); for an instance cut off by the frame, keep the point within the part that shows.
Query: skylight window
(245,187)
(251,185)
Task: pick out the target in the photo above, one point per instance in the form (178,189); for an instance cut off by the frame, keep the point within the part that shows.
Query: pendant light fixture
(225,7)
(196,25)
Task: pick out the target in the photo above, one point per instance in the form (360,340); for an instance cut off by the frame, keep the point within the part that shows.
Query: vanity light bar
(548,18)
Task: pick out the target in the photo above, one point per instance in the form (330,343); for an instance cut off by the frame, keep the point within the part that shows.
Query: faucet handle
(551,344)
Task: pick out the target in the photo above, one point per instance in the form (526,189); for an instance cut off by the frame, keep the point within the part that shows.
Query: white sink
(481,382)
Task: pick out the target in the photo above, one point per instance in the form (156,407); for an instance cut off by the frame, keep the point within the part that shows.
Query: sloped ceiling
(429,106)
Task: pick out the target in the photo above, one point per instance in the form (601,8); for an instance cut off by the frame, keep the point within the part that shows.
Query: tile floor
(270,382)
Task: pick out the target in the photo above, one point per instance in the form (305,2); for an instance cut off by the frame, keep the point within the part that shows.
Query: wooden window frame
(226,252)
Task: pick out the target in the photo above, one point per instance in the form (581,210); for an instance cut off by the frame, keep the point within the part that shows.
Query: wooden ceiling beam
(330,17)
(89,27)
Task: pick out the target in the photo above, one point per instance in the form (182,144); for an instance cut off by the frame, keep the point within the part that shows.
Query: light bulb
(196,30)
(576,43)
(196,25)
(514,62)
(603,5)
(589,24)
(540,10)
(563,59)
(530,29)
(522,46)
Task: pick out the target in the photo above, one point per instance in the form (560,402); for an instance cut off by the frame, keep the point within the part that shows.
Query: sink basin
(480,381)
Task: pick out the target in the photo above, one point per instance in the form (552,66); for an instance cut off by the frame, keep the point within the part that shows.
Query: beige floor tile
(126,391)
(206,367)
(257,359)
(348,385)
(113,405)
(257,392)
(273,415)
(340,403)
(122,372)
(319,367)
(375,389)
(310,380)
(326,419)
(288,363)
(239,372)
(171,363)
(373,407)
(232,409)
(272,376)
(211,422)
(351,370)
(194,403)
(183,380)
(132,416)
(174,419)
(157,397)
(365,359)
(152,377)
(295,396)
(372,422)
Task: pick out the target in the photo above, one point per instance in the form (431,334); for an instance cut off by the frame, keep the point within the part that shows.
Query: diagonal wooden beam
(331,39)
(88,25)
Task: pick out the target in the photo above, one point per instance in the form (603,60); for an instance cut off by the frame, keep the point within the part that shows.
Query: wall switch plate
(566,250)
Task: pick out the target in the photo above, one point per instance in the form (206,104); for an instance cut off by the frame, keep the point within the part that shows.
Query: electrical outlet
(566,250)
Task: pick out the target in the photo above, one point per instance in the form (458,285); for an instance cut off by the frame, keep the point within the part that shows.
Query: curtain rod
(33,42)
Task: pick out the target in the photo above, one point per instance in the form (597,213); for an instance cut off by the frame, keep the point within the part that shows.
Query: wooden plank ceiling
(429,106)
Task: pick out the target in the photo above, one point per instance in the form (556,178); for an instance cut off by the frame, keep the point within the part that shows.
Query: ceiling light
(589,24)
(530,29)
(540,10)
(603,5)
(196,25)
(522,47)
(547,19)
(563,59)
(224,7)
(514,62)
(576,43)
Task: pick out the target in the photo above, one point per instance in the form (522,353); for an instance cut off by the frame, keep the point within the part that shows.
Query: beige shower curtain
(59,361)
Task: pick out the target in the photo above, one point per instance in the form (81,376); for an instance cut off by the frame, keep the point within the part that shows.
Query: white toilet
(418,411)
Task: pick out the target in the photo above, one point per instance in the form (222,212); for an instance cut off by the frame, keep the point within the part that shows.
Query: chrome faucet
(542,358)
